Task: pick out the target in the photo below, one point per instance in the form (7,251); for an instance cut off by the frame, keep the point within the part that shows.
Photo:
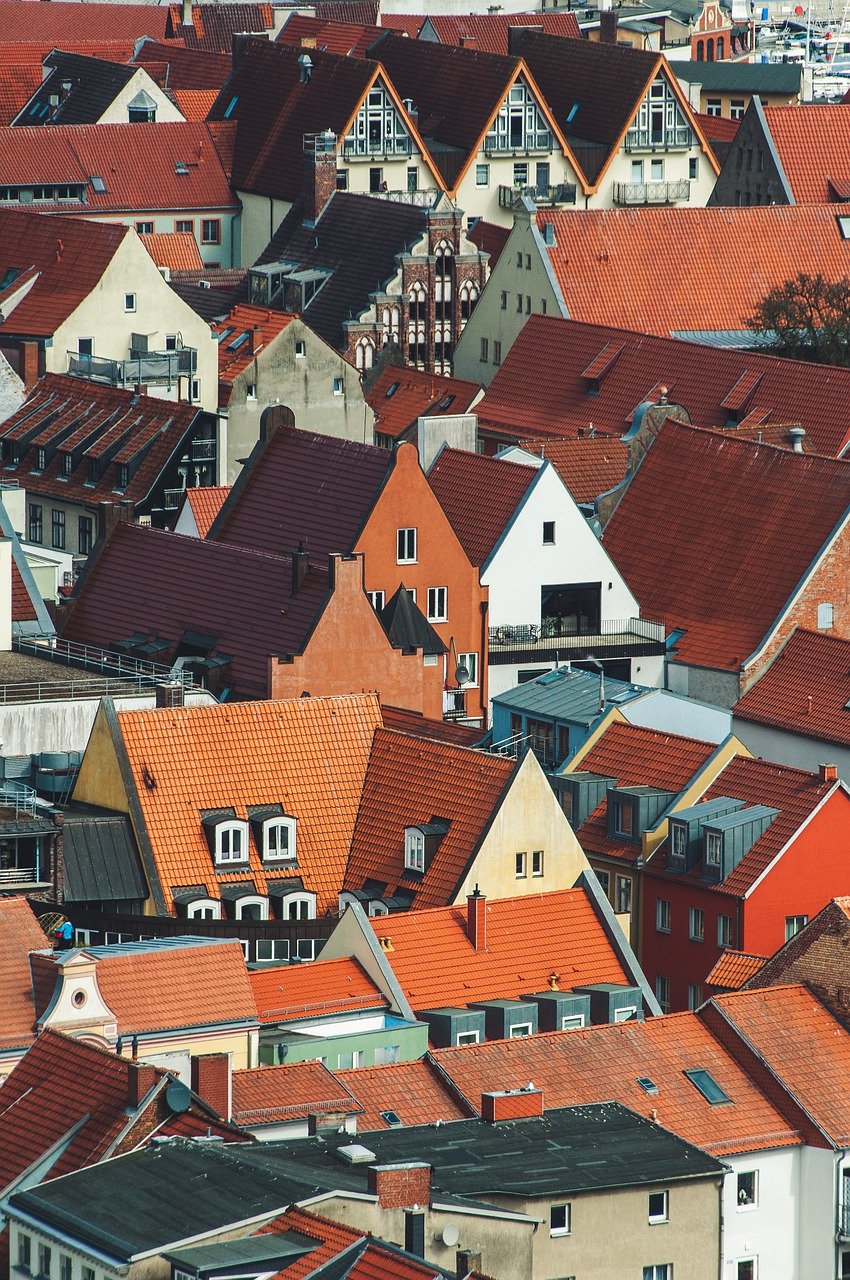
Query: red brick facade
(399,1186)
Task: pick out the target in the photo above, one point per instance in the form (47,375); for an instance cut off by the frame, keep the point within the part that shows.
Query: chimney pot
(828,773)
(300,568)
(476,919)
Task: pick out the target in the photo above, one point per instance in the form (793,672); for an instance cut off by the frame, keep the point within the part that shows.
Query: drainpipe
(485,648)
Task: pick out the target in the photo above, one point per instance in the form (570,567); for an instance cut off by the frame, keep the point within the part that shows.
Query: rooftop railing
(630,193)
(153,368)
(564,634)
(137,672)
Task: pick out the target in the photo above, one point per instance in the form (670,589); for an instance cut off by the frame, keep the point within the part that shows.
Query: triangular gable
(381,81)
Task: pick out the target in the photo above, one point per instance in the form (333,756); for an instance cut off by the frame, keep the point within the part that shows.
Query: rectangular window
(604,879)
(519,1029)
(45,1260)
(694,996)
(406,546)
(85,533)
(129,302)
(485,350)
(24,1251)
(793,925)
(713,848)
(144,228)
(519,303)
(737,107)
(656,170)
(414,850)
(58,529)
(537,862)
(746,1269)
(696,924)
(467,1037)
(520,865)
(825,617)
(85,346)
(713,106)
(520,180)
(724,931)
(66,1266)
(437,604)
(747,1190)
(624,818)
(548,533)
(660,1271)
(662,915)
(36,522)
(211,231)
(376,180)
(470,661)
(559,1219)
(482,175)
(624,895)
(300,349)
(504,301)
(693,167)
(272,949)
(497,353)
(185,226)
(377,599)
(339,387)
(658,1206)
(342,179)
(412,179)
(572,1021)
(662,992)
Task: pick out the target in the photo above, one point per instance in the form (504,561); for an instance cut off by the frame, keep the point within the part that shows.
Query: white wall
(770,1231)
(672,713)
(27,728)
(166,111)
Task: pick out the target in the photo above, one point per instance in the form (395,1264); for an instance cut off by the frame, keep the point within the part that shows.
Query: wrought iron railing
(363,148)
(203,450)
(423,197)
(559,193)
(651,192)
(19,797)
(113,666)
(567,633)
(678,139)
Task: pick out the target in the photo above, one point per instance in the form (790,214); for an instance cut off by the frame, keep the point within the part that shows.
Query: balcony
(844,1220)
(560,193)
(651,192)
(673,140)
(172,498)
(203,450)
(151,368)
(423,197)
(376,149)
(620,638)
(539,146)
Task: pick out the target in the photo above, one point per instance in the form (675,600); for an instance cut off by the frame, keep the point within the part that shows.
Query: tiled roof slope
(540,390)
(347,1252)
(164,988)
(93,423)
(33,53)
(726,588)
(331,1239)
(29,154)
(411,722)
(357,238)
(222,289)
(179,68)
(806,690)
(20,933)
(528,940)
(23,609)
(309,755)
(489,31)
(94,85)
(606,1062)
(415,1091)
(803,1045)
(18,82)
(177,250)
(214,25)
(812,147)
(588,465)
(59,23)
(400,396)
(733,969)
(670,271)
(206,502)
(416,780)
(70,256)
(292,993)
(235,353)
(794,792)
(161,584)
(489,238)
(479,495)
(266,1095)
(305,488)
(195,104)
(347,38)
(637,757)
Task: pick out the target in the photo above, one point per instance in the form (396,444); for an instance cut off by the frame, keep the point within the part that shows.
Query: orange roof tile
(236,351)
(291,993)
(806,690)
(490,30)
(733,969)
(59,23)
(587,465)
(744,498)
(195,104)
(605,1063)
(609,263)
(177,250)
(309,755)
(206,501)
(415,1091)
(804,1046)
(20,934)
(812,144)
(528,940)
(479,495)
(269,1095)
(400,396)
(415,780)
(412,722)
(17,85)
(331,1236)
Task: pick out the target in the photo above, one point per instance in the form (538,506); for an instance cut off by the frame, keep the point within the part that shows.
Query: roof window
(98,185)
(648,1086)
(573,112)
(181,168)
(393,1119)
(229,109)
(708,1086)
(446,402)
(237,342)
(391,390)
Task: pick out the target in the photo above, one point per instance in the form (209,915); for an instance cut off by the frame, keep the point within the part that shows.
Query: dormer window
(40,459)
(279,840)
(228,838)
(67,463)
(713,848)
(623,818)
(414,849)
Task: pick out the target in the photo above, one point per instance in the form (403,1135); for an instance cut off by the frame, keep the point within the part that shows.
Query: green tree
(810,317)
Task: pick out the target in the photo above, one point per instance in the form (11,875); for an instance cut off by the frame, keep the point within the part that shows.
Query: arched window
(444,259)
(204,909)
(364,353)
(719,48)
(250,908)
(231,842)
(709,50)
(468,298)
(279,840)
(418,302)
(298,906)
(700,51)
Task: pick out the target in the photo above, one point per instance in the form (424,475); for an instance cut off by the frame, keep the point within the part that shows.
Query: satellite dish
(178,1096)
(462,673)
(450,1235)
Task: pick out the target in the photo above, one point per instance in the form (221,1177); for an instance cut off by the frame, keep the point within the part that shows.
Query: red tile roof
(304,488)
(400,396)
(717,128)
(540,391)
(20,934)
(419,726)
(58,24)
(606,1062)
(490,31)
(489,238)
(183,69)
(265,326)
(332,1238)
(744,498)
(269,1095)
(161,584)
(804,1046)
(17,85)
(529,939)
(733,969)
(365,1258)
(348,38)
(214,25)
(23,609)
(609,262)
(637,757)
(812,145)
(206,502)
(293,993)
(806,690)
(195,104)
(177,250)
(69,254)
(308,755)
(415,1091)
(72,153)
(415,780)
(588,466)
(479,495)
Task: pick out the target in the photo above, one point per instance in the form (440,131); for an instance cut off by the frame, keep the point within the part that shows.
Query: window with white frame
(271,949)
(204,909)
(746,1191)
(378,128)
(623,886)
(338,387)
(625,1013)
(659,1271)
(696,924)
(377,599)
(559,1219)
(825,617)
(537,862)
(519,125)
(278,839)
(470,661)
(745,1269)
(659,1203)
(299,906)
(252,908)
(520,865)
(482,175)
(66,1266)
(572,1021)
(713,848)
(305,948)
(660,121)
(793,925)
(663,913)
(438,604)
(467,1037)
(519,1029)
(548,533)
(129,302)
(406,546)
(231,842)
(414,849)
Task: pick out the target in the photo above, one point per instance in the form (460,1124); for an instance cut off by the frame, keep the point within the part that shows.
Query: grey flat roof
(567,694)
(747,77)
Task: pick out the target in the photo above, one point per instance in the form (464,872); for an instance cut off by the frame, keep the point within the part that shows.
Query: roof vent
(305,64)
(204,284)
(798,435)
(356,1153)
(548,234)
(181,168)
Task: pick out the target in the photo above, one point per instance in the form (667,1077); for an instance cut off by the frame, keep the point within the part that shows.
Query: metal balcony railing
(153,368)
(422,198)
(671,140)
(844,1219)
(564,635)
(651,192)
(560,193)
(541,145)
(19,798)
(364,149)
(172,498)
(203,450)
(113,666)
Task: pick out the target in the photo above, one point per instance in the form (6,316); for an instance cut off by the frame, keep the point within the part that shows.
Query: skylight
(391,390)
(97,184)
(225,333)
(573,111)
(237,342)
(648,1086)
(708,1086)
(230,107)
(392,1118)
(446,402)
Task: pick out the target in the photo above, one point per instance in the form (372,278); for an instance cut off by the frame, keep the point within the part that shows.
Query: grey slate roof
(407,627)
(567,694)
(95,83)
(101,859)
(745,77)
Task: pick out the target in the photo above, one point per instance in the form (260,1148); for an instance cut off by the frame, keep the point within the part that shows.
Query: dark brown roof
(212,292)
(176,67)
(491,31)
(94,84)
(490,238)
(303,488)
(214,25)
(349,38)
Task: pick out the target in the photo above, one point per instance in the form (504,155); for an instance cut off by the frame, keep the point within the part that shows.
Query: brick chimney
(211,1081)
(326,1122)
(29,364)
(300,568)
(513,1104)
(608,26)
(402,1185)
(468,1260)
(476,919)
(319,173)
(828,772)
(141,1077)
(469,42)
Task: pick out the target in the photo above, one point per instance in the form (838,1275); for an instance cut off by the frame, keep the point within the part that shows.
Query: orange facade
(432,563)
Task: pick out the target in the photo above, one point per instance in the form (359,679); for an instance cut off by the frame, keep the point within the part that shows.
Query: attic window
(237,342)
(713,848)
(229,109)
(446,402)
(844,226)
(708,1086)
(231,842)
(98,185)
(181,168)
(279,839)
(391,390)
(392,1118)
(623,816)
(414,849)
(648,1086)
(573,112)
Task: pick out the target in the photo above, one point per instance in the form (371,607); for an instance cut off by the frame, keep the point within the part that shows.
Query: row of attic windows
(274,835)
